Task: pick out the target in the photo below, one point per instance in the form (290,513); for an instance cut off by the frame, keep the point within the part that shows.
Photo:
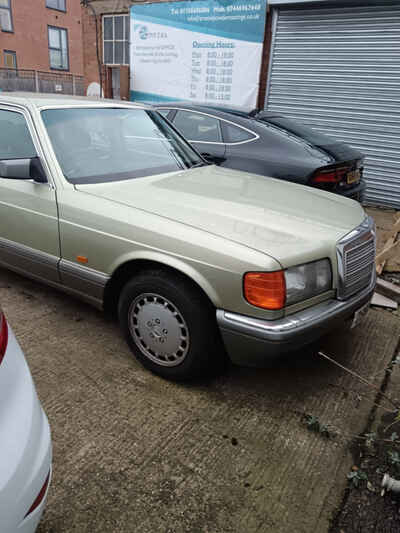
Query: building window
(56,4)
(5,16)
(116,39)
(58,48)
(10,59)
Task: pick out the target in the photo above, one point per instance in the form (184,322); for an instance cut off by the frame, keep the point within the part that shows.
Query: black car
(269,144)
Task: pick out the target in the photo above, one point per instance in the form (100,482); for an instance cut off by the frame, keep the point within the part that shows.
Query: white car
(25,442)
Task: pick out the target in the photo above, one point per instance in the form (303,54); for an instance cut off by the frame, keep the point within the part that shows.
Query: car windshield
(98,145)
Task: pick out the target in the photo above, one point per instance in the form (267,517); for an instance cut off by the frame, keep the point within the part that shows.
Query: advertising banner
(203,51)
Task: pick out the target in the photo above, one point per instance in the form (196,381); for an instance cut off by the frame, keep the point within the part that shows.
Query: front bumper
(250,341)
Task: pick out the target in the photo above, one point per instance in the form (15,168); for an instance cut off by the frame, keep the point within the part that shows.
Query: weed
(356,476)
(313,424)
(394,459)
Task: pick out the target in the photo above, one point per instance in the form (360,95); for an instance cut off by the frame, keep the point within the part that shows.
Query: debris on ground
(383,301)
(388,240)
(388,288)
(390,484)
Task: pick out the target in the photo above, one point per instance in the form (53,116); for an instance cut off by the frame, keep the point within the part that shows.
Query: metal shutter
(338,70)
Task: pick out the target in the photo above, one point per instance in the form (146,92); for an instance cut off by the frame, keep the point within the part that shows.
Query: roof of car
(41,100)
(207,108)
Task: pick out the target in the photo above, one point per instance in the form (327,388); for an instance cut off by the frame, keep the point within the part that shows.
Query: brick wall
(92,14)
(30,37)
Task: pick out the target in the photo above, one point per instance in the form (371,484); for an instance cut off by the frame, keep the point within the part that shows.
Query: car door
(203,131)
(243,149)
(29,238)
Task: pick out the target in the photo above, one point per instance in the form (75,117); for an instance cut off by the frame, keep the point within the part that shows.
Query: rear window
(300,130)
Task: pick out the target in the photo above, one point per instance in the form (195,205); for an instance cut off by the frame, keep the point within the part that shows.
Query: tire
(170,326)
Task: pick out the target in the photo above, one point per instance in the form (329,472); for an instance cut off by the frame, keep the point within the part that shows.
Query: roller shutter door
(338,70)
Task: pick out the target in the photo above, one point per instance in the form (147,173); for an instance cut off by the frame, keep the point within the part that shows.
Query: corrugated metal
(338,70)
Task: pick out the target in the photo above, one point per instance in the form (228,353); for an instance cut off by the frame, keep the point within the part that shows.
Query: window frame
(222,121)
(126,19)
(36,143)
(9,8)
(59,29)
(57,8)
(226,137)
(10,52)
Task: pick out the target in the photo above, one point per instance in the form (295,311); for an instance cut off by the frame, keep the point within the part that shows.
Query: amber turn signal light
(265,289)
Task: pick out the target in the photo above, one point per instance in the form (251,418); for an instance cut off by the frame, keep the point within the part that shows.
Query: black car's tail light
(331,175)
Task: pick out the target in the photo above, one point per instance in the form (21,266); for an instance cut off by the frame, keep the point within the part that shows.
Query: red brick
(30,37)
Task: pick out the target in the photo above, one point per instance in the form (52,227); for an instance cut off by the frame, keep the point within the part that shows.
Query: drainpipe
(87,4)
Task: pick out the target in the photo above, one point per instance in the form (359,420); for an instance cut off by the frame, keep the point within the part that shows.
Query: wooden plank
(382,301)
(387,252)
(396,225)
(388,289)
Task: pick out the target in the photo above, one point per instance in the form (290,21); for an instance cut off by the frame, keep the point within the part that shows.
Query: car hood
(283,220)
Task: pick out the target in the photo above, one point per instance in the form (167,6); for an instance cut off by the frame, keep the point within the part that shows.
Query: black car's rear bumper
(356,193)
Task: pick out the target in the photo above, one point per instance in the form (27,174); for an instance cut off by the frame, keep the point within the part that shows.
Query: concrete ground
(134,453)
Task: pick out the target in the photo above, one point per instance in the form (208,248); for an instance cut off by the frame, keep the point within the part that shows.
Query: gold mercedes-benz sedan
(107,201)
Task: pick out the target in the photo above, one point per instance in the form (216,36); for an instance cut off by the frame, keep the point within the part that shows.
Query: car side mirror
(23,169)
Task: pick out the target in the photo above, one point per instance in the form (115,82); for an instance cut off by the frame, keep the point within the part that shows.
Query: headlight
(274,290)
(306,281)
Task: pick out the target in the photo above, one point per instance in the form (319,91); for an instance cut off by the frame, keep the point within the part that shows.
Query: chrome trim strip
(96,302)
(83,279)
(255,135)
(367,228)
(26,259)
(289,327)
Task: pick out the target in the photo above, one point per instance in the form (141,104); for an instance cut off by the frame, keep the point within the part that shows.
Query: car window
(297,129)
(234,134)
(198,127)
(97,145)
(15,139)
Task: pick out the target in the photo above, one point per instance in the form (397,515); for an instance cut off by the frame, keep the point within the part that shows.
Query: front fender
(180,265)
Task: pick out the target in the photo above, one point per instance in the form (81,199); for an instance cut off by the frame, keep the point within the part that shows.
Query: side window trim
(170,115)
(221,121)
(35,139)
(225,135)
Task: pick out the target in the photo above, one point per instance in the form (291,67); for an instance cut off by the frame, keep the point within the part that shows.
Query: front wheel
(170,326)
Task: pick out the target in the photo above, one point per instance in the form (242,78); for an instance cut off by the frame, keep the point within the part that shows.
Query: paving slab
(135,453)
(366,509)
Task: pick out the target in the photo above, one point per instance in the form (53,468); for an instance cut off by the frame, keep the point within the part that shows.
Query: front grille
(356,260)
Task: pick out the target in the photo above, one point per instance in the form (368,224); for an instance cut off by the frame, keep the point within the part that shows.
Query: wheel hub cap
(159,329)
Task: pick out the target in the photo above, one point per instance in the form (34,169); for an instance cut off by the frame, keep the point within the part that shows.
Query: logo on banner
(145,34)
